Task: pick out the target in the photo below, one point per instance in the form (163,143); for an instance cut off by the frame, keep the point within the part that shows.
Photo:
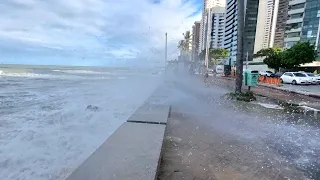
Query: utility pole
(166,53)
(318,33)
(247,60)
(239,62)
(208,39)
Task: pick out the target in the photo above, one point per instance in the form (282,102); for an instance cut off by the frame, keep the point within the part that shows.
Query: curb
(291,91)
(285,90)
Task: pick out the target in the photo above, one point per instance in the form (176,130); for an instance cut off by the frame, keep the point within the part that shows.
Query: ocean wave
(30,75)
(52,76)
(82,72)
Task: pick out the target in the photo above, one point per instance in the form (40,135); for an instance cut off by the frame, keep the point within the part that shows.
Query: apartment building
(207,5)
(310,29)
(294,23)
(281,10)
(231,28)
(266,24)
(217,27)
(195,40)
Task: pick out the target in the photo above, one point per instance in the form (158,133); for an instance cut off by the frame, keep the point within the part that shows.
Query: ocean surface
(53,117)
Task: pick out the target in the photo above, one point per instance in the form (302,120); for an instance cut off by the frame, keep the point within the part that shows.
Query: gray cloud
(101,28)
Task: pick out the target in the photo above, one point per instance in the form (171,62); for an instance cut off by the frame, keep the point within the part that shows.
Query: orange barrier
(269,80)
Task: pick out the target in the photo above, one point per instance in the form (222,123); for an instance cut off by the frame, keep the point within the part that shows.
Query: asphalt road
(304,88)
(209,137)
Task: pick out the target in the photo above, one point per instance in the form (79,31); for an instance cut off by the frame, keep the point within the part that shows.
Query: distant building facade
(281,22)
(207,5)
(310,29)
(195,40)
(294,23)
(266,24)
(231,28)
(218,15)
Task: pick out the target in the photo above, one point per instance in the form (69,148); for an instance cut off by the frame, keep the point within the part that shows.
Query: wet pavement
(303,88)
(209,137)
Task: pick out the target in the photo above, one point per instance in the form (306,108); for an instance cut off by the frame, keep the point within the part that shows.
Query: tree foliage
(300,53)
(216,54)
(184,45)
(273,57)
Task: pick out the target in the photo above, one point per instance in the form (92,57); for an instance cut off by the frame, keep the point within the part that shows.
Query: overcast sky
(92,32)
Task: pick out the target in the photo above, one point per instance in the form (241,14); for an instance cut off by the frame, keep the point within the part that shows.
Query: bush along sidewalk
(244,96)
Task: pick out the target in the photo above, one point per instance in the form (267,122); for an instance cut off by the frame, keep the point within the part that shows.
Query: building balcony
(296,11)
(228,37)
(291,39)
(227,41)
(293,2)
(235,38)
(227,46)
(296,20)
(234,43)
(229,22)
(228,30)
(293,30)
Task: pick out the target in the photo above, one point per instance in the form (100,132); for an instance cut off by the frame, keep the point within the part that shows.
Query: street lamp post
(318,33)
(166,53)
(208,39)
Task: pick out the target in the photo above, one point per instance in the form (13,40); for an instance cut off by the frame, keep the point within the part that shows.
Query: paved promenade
(209,138)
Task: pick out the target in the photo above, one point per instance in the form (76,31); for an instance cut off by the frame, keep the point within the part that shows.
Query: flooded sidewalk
(208,137)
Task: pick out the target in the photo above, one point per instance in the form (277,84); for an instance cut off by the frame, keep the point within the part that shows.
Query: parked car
(265,73)
(317,78)
(277,74)
(312,77)
(295,78)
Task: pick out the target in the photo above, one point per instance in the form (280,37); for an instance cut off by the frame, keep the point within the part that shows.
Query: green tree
(273,57)
(184,45)
(300,53)
(267,52)
(217,53)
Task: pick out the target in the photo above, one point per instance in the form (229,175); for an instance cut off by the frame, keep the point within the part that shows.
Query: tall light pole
(207,39)
(166,53)
(318,33)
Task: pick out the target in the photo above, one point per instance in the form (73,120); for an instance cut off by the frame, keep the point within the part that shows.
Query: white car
(265,73)
(295,78)
(312,77)
(317,78)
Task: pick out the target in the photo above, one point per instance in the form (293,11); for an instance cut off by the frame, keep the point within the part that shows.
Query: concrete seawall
(133,151)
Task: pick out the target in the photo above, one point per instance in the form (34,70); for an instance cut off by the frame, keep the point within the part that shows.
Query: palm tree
(187,40)
(181,45)
(184,45)
(239,62)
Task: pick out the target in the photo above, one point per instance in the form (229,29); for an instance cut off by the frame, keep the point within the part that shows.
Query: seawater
(47,127)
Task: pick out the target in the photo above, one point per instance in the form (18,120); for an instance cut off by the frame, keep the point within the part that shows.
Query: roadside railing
(269,80)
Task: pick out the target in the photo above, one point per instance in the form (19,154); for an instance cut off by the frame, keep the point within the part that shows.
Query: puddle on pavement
(269,106)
